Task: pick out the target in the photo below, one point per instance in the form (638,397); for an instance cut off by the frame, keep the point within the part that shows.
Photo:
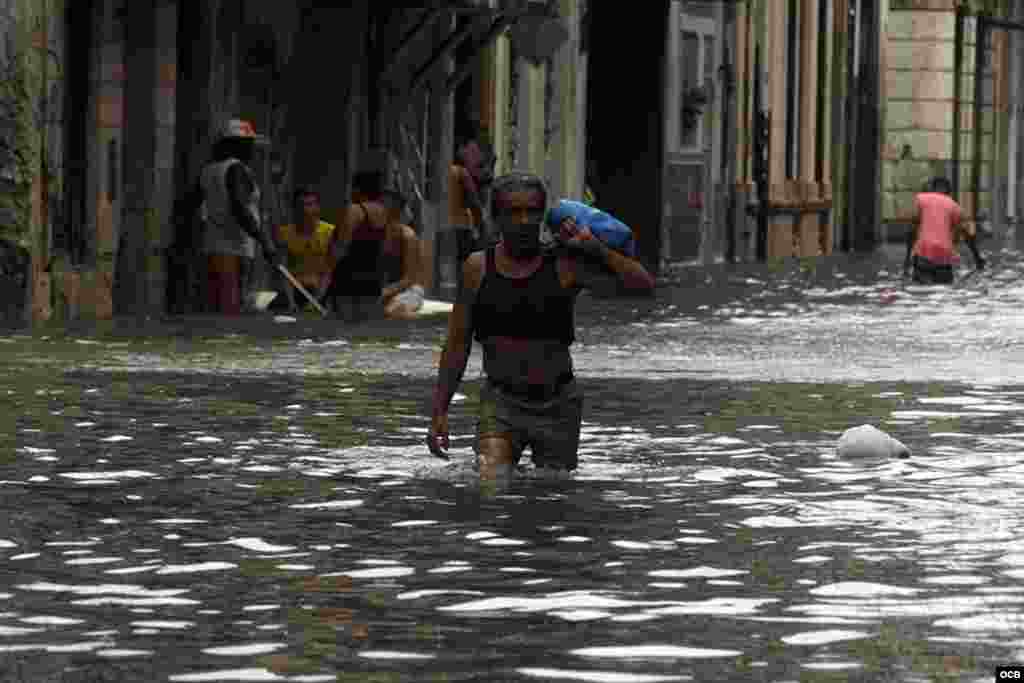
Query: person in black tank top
(361,267)
(359,271)
(518,302)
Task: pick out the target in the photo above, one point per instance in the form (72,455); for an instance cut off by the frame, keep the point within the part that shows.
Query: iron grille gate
(982,98)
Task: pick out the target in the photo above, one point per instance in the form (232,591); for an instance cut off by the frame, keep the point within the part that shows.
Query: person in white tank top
(228,196)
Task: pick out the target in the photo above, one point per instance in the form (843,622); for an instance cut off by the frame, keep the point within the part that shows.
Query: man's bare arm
(457,348)
(410,260)
(240,186)
(341,238)
(915,227)
(971,237)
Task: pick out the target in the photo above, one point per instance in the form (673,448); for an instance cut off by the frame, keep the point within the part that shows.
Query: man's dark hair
(374,186)
(942,185)
(369,183)
(302,191)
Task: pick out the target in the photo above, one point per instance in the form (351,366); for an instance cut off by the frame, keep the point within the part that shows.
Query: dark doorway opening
(625,116)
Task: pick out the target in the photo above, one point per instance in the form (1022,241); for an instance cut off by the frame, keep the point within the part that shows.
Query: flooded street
(188,501)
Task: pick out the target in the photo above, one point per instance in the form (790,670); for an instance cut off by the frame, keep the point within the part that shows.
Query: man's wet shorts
(547,420)
(930,273)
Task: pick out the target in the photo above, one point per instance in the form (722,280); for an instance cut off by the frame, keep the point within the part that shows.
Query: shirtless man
(518,301)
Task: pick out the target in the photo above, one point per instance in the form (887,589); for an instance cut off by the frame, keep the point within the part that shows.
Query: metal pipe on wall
(1014,126)
(958,61)
(980,38)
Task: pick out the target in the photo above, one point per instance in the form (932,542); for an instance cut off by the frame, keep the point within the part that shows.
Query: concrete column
(159,229)
(671,122)
(808,239)
(436,233)
(741,122)
(775,66)
(581,116)
(105,161)
(532,155)
(742,125)
(780,228)
(45,60)
(500,72)
(827,234)
(826,132)
(674,86)
(149,147)
(1014,109)
(567,149)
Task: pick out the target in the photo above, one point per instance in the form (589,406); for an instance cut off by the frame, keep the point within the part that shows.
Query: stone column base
(780,237)
(808,236)
(83,294)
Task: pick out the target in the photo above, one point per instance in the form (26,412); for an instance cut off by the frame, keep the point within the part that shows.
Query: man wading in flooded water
(518,301)
(931,243)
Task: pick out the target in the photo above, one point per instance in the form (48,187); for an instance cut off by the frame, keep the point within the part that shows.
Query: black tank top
(535,307)
(361,271)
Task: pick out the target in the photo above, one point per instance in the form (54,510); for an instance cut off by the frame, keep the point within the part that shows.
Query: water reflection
(260,507)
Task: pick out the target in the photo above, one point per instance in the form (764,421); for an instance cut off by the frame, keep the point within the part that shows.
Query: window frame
(704,28)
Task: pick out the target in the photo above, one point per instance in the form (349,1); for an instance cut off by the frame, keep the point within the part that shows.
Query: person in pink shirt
(932,243)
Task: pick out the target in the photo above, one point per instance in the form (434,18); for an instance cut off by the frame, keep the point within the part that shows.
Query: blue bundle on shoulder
(604,226)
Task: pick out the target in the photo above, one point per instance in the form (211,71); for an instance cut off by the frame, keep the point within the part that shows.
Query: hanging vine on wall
(19,156)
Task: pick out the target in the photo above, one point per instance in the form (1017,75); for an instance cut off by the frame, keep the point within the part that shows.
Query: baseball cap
(238,128)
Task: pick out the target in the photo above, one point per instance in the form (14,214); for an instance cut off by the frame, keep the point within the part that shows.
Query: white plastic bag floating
(866,441)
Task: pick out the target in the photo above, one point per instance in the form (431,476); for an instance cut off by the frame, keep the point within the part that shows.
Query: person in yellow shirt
(306,244)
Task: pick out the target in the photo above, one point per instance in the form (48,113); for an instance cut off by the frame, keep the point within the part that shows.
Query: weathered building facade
(750,144)
(794,128)
(129,93)
(747,130)
(952,92)
(788,56)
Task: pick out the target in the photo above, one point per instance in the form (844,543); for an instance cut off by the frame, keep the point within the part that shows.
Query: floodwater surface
(245,501)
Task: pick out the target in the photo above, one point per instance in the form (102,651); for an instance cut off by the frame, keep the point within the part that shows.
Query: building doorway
(694,54)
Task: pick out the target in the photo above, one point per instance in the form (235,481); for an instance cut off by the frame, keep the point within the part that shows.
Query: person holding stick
(229,197)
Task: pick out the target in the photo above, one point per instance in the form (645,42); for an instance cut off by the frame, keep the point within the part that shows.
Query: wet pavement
(201,500)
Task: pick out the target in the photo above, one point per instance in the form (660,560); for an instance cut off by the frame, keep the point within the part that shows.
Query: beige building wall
(919,85)
(919,89)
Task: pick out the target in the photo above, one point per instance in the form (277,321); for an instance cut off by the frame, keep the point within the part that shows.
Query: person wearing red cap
(229,198)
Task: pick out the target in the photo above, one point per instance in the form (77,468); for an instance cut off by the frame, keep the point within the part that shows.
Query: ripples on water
(260,508)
